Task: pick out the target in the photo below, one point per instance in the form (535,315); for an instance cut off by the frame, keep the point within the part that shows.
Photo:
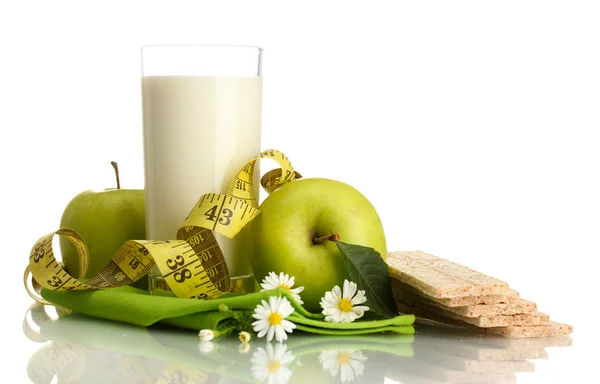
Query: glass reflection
(79,349)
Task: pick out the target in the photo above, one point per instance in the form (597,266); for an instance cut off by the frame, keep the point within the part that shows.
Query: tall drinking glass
(202,123)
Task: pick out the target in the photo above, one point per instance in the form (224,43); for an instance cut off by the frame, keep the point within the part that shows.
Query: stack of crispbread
(437,289)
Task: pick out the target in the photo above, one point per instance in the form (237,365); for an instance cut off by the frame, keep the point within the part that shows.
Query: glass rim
(253,47)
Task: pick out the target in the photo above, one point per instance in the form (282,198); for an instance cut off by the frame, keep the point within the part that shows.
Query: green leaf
(370,272)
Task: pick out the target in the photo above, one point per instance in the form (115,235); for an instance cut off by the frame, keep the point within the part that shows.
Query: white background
(470,125)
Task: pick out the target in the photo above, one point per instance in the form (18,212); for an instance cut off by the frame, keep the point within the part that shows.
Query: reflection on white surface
(79,349)
(348,361)
(206,346)
(271,366)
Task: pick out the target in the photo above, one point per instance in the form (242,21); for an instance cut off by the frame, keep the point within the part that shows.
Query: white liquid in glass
(199,131)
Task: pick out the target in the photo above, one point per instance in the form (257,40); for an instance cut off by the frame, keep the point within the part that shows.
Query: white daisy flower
(342,307)
(206,335)
(271,318)
(282,281)
(349,362)
(271,365)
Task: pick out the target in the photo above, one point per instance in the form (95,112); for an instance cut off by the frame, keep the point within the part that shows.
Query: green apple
(284,237)
(105,219)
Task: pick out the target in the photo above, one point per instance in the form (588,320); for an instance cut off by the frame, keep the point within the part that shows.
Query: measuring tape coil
(192,265)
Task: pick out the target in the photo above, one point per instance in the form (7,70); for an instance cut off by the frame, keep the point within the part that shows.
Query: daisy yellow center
(273,366)
(275,318)
(343,358)
(345,305)
(286,287)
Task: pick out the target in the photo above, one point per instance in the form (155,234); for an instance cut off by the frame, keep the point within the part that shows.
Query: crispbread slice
(462,301)
(438,314)
(547,330)
(441,278)
(513,308)
(516,308)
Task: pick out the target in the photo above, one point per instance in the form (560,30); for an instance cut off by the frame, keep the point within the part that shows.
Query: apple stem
(322,239)
(116,167)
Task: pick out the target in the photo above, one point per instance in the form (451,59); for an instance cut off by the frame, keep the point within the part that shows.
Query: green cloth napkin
(136,306)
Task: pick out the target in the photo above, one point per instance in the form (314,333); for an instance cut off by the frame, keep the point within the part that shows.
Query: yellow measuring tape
(193,265)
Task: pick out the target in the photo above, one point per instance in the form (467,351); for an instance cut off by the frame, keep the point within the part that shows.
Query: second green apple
(282,237)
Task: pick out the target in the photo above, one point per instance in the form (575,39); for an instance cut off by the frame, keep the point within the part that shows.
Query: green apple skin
(280,238)
(105,219)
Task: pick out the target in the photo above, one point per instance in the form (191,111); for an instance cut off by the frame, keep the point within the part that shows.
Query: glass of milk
(202,109)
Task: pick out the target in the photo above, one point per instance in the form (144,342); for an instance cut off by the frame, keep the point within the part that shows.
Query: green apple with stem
(296,230)
(105,219)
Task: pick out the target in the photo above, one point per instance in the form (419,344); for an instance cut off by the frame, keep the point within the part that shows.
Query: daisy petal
(297,298)
(285,308)
(288,325)
(349,289)
(345,317)
(268,281)
(330,311)
(352,316)
(274,303)
(359,298)
(271,280)
(270,333)
(330,299)
(337,293)
(297,290)
(262,332)
(280,334)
